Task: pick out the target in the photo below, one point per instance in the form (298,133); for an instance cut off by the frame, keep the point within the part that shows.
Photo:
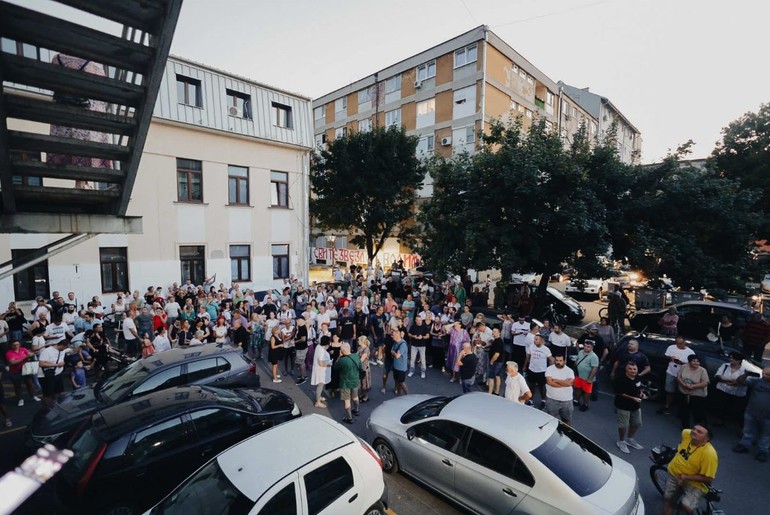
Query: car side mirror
(410,433)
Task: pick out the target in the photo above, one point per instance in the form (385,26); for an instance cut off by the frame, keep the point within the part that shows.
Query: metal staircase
(134,61)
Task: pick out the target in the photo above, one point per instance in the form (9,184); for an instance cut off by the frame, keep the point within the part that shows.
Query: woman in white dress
(322,370)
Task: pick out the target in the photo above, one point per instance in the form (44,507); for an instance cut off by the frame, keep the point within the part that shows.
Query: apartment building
(629,139)
(222,187)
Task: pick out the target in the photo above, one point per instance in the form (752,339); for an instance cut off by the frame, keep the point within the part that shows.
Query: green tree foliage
(744,154)
(367,182)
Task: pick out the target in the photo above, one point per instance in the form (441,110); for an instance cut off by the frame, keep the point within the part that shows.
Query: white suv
(310,465)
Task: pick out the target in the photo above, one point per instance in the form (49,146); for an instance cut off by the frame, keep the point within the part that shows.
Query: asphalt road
(743,479)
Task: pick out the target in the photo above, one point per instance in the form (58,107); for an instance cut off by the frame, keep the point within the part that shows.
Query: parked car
(521,460)
(765,284)
(696,317)
(312,465)
(711,355)
(128,456)
(204,364)
(585,287)
(562,303)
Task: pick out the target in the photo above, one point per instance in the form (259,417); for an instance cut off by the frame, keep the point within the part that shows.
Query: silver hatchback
(493,456)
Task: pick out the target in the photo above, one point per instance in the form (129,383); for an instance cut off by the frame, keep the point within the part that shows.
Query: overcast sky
(678,69)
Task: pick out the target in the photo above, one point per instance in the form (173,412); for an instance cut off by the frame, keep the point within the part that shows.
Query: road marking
(390,512)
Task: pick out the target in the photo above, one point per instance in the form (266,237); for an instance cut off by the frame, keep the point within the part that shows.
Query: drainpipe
(376,100)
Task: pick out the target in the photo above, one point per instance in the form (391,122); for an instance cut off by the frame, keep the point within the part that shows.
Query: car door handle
(353,498)
(447,463)
(508,491)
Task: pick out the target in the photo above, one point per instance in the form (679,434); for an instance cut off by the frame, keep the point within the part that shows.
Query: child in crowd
(78,376)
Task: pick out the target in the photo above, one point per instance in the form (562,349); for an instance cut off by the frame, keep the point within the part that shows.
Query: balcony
(540,103)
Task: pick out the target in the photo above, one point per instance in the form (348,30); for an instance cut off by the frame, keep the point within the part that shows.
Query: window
(549,98)
(32,282)
(160,381)
(238,104)
(427,70)
(393,84)
(282,116)
(426,113)
(340,132)
(522,73)
(280,255)
(113,262)
(319,113)
(341,104)
(237,185)
(25,180)
(425,146)
(211,486)
(441,433)
(23,49)
(464,102)
(188,91)
(530,79)
(492,454)
(393,118)
(193,259)
(365,95)
(327,483)
(189,186)
(215,422)
(279,189)
(164,437)
(470,134)
(466,55)
(515,69)
(240,261)
(365,125)
(283,503)
(529,113)
(430,142)
(574,112)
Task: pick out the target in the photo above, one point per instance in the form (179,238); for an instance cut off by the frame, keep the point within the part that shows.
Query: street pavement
(743,479)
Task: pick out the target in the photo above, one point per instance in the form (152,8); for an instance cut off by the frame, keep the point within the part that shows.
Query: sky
(677,69)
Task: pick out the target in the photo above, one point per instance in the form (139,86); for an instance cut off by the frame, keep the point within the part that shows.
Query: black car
(711,355)
(696,317)
(201,364)
(128,456)
(563,304)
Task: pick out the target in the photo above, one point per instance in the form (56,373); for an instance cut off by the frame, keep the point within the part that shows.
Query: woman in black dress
(334,353)
(275,354)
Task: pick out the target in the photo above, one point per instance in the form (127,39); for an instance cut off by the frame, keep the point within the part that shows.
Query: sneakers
(380,362)
(320,404)
(8,422)
(542,404)
(422,375)
(410,374)
(356,412)
(382,390)
(278,380)
(21,403)
(529,403)
(347,420)
(623,447)
(575,402)
(452,380)
(740,449)
(36,398)
(633,443)
(302,380)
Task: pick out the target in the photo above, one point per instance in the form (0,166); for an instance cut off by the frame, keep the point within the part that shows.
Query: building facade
(222,187)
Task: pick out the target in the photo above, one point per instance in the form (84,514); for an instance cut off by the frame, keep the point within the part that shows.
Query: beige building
(222,188)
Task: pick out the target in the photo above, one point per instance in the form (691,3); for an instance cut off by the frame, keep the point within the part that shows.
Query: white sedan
(491,455)
(589,287)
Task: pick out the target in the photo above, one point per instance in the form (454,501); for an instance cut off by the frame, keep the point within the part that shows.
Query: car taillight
(83,483)
(372,452)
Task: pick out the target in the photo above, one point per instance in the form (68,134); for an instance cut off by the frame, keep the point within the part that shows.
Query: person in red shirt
(755,335)
(16,357)
(160,319)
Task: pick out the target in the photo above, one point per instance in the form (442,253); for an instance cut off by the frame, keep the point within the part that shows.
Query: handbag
(30,368)
(361,371)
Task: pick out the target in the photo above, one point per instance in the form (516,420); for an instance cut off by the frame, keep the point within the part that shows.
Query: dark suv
(696,317)
(203,364)
(128,456)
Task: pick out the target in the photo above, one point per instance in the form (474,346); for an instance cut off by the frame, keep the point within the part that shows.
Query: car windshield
(232,399)
(208,492)
(556,293)
(426,409)
(581,464)
(115,386)
(84,447)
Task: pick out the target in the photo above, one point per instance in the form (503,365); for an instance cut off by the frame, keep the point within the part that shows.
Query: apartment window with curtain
(279,189)
(188,91)
(189,174)
(240,262)
(393,84)
(365,125)
(238,185)
(280,255)
(113,262)
(282,116)
(193,263)
(427,70)
(466,55)
(393,118)
(32,282)
(365,95)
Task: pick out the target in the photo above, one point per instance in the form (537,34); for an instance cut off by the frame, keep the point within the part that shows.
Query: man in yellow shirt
(693,468)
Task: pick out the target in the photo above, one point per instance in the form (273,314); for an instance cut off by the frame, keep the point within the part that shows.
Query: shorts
(496,369)
(559,409)
(347,394)
(536,378)
(387,368)
(690,496)
(399,376)
(300,356)
(629,418)
(671,385)
(582,384)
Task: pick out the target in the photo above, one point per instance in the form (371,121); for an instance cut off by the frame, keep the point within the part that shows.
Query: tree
(367,182)
(744,154)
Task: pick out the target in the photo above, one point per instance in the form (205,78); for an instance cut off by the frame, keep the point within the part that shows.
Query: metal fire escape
(135,64)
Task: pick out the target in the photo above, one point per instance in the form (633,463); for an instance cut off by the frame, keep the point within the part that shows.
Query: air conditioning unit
(417,84)
(446,141)
(234,111)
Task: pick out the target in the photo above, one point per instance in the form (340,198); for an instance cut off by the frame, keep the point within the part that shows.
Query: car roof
(257,463)
(126,417)
(509,422)
(713,303)
(180,354)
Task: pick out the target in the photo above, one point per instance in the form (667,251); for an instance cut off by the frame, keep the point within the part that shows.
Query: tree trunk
(539,301)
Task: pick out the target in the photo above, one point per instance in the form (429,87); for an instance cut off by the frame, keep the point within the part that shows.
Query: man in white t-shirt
(559,341)
(56,331)
(322,317)
(520,330)
(516,388)
(677,355)
(537,361)
(51,361)
(558,390)
(130,334)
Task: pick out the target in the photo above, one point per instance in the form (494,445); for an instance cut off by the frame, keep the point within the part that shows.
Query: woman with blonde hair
(366,380)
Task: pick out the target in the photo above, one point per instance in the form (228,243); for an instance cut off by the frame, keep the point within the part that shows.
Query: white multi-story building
(222,189)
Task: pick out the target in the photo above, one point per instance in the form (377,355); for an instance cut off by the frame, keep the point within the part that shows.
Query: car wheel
(387,456)
(377,509)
